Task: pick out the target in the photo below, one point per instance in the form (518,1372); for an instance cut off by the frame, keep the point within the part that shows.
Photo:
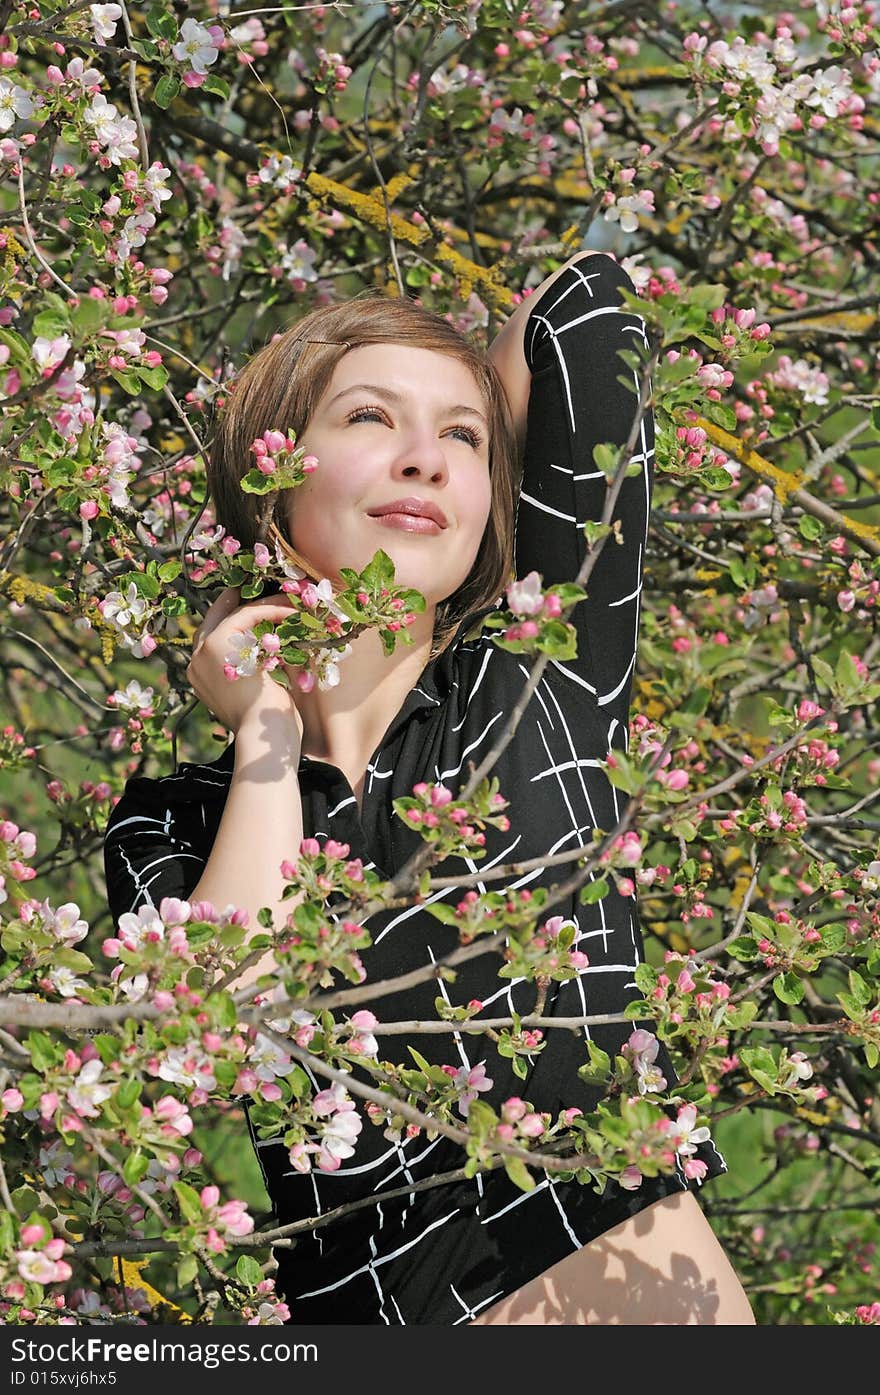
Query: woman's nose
(422,454)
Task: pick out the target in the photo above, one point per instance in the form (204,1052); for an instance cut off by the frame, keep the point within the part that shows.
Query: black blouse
(442,1255)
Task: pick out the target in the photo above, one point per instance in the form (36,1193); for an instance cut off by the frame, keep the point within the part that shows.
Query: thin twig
(133,93)
(29,238)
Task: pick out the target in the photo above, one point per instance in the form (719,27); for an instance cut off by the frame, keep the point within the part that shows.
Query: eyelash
(476,439)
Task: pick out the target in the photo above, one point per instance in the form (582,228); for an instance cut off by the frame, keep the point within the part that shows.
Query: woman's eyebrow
(397,397)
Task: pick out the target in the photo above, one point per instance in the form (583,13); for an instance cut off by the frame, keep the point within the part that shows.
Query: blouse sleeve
(150,851)
(573,338)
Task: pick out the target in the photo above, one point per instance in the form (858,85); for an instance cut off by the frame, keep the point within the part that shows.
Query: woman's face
(395,424)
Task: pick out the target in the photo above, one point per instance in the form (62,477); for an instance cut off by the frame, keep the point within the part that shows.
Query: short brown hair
(281,386)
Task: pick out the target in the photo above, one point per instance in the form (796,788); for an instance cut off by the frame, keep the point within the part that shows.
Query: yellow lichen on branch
(131,1277)
(22,589)
(788,487)
(844,321)
(371,209)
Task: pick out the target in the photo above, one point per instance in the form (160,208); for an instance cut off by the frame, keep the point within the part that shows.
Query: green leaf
(697,702)
(190,1202)
(445,914)
(481,1118)
(155,378)
(186,1271)
(25,1200)
(128,381)
(248,1270)
(723,415)
(161,24)
(758,1058)
(54,318)
(255,482)
(519,1174)
(606,457)
(859,989)
(135,1167)
(127,1093)
(709,296)
(166,90)
(810,528)
(834,938)
(845,671)
(217,85)
(738,573)
(7,1232)
(107,1046)
(420,1061)
(788,988)
(744,948)
(42,1051)
(851,1007)
(716,477)
(227,1013)
(594,891)
(88,316)
(16,344)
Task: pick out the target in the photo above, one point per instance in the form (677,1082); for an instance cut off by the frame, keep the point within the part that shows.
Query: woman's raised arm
(559,358)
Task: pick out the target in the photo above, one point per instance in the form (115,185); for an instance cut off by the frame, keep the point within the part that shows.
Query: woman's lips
(409,522)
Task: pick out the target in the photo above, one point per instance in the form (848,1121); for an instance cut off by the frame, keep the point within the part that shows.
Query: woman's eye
(366,413)
(473,437)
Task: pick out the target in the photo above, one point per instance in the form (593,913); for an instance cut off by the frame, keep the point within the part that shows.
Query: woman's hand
(231,701)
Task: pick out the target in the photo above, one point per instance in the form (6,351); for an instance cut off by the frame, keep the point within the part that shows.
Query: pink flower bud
(513,1109)
(532,1125)
(49,1102)
(364,1020)
(677,780)
(275,441)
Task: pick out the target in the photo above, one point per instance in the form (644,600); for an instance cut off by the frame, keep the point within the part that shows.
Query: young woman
(419,439)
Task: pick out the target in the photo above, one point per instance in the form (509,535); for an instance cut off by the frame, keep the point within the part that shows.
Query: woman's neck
(344,725)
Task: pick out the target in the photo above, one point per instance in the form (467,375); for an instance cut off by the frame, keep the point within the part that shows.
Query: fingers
(223,605)
(229,603)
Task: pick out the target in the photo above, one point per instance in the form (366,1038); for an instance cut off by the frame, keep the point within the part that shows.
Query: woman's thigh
(663,1266)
